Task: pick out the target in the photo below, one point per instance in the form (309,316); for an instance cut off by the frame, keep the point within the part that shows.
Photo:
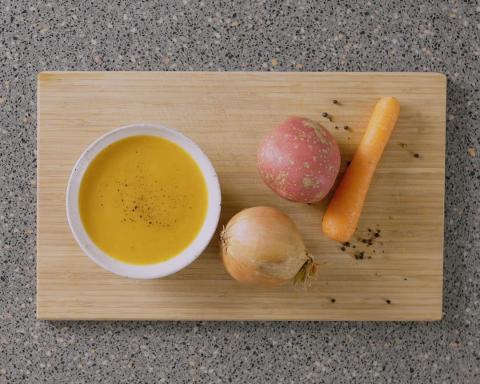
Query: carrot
(343,212)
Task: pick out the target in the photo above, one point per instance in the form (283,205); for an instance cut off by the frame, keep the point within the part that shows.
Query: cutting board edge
(44,76)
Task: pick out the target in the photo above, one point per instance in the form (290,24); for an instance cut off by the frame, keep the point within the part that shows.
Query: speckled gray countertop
(306,35)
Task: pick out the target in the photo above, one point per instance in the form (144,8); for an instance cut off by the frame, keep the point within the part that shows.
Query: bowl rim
(175,263)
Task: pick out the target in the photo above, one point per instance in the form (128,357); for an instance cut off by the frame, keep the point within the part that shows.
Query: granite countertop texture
(304,35)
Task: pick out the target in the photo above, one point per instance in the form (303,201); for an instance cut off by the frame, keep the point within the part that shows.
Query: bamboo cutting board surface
(400,276)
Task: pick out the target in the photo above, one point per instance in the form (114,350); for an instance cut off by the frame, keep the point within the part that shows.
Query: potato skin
(299,160)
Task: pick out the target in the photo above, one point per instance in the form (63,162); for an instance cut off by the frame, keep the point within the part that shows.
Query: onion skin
(299,160)
(263,246)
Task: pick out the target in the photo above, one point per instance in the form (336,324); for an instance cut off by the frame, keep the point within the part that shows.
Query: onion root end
(306,273)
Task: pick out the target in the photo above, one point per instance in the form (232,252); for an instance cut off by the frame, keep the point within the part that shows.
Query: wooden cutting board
(400,275)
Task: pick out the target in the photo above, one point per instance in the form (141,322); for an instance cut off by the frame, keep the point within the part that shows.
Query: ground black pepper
(360,255)
(404,146)
(327,116)
(369,241)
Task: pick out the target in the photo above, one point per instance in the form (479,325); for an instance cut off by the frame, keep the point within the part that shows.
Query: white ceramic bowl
(177,262)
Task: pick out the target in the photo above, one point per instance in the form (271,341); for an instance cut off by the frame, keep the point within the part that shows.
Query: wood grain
(227,114)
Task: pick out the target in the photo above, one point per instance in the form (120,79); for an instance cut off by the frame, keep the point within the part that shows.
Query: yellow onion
(262,245)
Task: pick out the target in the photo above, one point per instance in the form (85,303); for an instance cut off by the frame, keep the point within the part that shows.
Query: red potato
(299,160)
